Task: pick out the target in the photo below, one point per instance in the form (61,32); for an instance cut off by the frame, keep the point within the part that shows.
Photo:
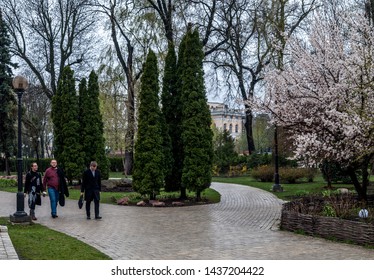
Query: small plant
(7,184)
(328,211)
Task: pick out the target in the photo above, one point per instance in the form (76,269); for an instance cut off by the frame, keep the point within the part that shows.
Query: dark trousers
(88,206)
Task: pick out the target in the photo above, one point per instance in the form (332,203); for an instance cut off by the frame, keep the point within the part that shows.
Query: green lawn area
(37,242)
(289,190)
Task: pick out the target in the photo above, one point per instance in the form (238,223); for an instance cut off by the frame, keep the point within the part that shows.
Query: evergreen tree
(84,118)
(65,116)
(94,127)
(224,151)
(172,116)
(149,159)
(197,134)
(177,134)
(7,100)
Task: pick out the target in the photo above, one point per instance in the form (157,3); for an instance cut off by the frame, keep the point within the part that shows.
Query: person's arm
(45,180)
(83,186)
(41,187)
(27,183)
(99,180)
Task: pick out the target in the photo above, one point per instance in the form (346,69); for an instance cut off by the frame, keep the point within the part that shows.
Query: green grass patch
(289,190)
(8,185)
(111,197)
(37,242)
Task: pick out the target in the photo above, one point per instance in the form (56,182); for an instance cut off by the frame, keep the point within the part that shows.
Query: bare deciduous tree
(49,35)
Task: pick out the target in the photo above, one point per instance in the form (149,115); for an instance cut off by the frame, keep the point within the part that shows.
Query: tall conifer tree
(172,116)
(83,118)
(196,135)
(94,126)
(65,115)
(148,174)
(7,100)
(178,101)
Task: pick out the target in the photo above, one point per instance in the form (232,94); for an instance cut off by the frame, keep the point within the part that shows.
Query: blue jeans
(53,197)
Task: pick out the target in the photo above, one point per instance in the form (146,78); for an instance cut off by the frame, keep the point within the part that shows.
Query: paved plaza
(244,225)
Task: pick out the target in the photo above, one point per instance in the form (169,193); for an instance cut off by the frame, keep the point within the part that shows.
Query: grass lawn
(289,190)
(37,242)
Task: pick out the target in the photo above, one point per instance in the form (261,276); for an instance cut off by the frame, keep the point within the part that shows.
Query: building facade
(227,119)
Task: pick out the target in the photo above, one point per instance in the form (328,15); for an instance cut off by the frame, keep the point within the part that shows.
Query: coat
(91,186)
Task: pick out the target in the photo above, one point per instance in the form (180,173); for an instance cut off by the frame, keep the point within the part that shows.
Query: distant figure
(33,187)
(54,180)
(91,188)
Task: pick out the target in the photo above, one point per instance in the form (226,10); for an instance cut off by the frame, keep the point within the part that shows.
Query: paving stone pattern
(244,225)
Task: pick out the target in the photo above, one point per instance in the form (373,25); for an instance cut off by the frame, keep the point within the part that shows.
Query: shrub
(289,175)
(264,173)
(116,164)
(292,175)
(332,171)
(8,183)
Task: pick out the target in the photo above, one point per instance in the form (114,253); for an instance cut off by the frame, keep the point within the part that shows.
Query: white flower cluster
(325,94)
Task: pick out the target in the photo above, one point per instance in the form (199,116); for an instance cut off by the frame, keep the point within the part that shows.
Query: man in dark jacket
(91,188)
(33,187)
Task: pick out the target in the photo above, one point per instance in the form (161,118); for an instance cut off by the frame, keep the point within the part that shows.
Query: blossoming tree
(325,95)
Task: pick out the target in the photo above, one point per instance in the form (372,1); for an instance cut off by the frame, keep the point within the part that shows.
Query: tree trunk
(198,196)
(183,193)
(7,167)
(248,129)
(129,155)
(361,189)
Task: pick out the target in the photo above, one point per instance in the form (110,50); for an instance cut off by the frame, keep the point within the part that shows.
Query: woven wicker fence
(359,232)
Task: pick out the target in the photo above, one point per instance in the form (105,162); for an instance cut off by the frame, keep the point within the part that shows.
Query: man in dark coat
(33,187)
(91,188)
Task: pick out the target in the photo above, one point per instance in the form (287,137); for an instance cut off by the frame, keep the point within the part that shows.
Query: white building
(227,119)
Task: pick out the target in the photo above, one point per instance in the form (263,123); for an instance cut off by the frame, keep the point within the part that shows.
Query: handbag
(38,200)
(61,200)
(80,202)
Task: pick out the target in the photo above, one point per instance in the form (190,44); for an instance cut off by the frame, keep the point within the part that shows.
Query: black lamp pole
(276,187)
(20,84)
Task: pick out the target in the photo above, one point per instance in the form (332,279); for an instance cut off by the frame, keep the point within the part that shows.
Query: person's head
(54,163)
(93,165)
(34,166)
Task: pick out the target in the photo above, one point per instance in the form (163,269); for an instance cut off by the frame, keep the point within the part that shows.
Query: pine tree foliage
(197,134)
(178,142)
(224,151)
(85,121)
(149,157)
(95,146)
(7,98)
(172,116)
(65,116)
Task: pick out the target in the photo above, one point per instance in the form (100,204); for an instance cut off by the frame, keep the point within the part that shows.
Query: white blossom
(325,94)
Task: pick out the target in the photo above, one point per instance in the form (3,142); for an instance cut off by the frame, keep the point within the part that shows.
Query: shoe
(88,218)
(54,216)
(34,218)
(98,218)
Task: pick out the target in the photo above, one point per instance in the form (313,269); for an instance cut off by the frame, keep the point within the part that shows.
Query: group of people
(54,182)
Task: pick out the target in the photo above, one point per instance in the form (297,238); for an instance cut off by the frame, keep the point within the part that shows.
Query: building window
(230,129)
(224,127)
(236,128)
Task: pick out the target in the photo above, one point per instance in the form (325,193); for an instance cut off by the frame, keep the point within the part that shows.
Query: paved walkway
(244,225)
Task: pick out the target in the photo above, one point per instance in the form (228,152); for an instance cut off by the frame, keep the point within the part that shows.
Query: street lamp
(20,84)
(276,187)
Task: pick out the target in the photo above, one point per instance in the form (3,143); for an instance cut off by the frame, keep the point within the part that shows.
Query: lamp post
(276,187)
(20,84)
